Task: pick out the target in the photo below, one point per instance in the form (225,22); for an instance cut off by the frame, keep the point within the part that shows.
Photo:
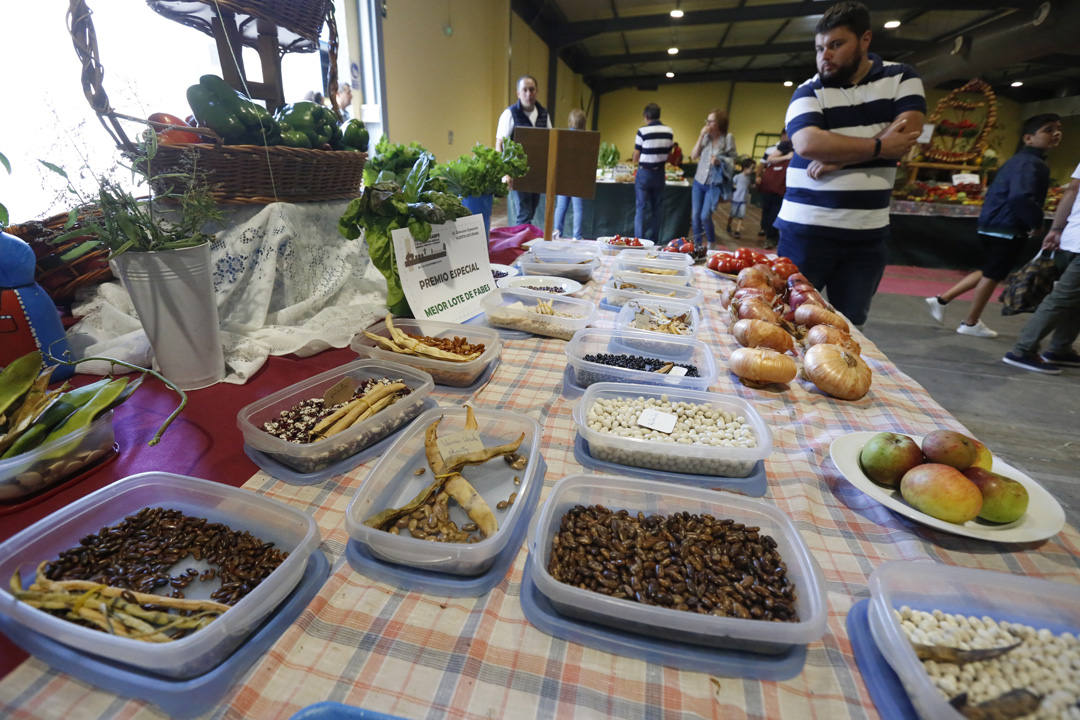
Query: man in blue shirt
(652,145)
(849,124)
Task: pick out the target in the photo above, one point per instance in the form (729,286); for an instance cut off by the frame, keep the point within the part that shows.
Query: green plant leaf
(5,163)
(3,215)
(73,217)
(55,168)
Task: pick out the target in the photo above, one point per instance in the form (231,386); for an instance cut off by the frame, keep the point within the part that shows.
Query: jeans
(649,195)
(561,203)
(848,270)
(1058,313)
(703,200)
(526,206)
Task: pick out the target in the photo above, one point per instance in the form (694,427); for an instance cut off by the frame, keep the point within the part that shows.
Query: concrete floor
(1031,420)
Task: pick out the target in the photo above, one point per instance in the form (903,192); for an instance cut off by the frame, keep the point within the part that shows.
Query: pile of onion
(759,366)
(837,371)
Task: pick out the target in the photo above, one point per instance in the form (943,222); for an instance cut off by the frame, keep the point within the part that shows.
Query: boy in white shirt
(743,180)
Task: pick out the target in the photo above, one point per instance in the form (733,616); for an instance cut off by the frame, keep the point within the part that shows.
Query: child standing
(1012,210)
(743,180)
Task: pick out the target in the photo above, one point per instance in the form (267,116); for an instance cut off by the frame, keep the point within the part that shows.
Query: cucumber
(17,378)
(52,416)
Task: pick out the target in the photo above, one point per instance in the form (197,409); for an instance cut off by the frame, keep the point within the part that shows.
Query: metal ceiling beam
(771,74)
(570,33)
(883,45)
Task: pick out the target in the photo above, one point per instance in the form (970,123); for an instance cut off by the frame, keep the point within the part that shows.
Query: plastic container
(616,296)
(576,266)
(681,350)
(610,248)
(289,529)
(553,249)
(928,586)
(46,465)
(671,456)
(509,308)
(393,483)
(311,457)
(658,270)
(627,316)
(443,372)
(651,497)
(637,254)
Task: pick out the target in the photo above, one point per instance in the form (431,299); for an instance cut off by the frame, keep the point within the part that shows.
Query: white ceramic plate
(645,244)
(570,287)
(510,270)
(1044,517)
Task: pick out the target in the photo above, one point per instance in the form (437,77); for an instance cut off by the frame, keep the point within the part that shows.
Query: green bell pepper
(294,138)
(230,114)
(318,123)
(356,135)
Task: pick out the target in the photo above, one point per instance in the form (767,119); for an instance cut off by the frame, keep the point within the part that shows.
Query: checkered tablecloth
(371,645)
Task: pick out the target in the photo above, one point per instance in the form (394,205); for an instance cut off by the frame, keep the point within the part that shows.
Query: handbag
(1026,286)
(774,179)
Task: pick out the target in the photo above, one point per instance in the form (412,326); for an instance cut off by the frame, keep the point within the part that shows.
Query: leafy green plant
(3,209)
(391,158)
(482,172)
(608,157)
(176,217)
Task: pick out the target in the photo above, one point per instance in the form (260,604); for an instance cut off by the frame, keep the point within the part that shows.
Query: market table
(368,644)
(611,211)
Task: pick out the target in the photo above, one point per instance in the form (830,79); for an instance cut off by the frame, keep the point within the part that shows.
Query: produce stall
(402,643)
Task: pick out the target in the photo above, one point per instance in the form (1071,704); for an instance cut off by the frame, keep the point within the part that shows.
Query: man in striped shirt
(651,149)
(849,124)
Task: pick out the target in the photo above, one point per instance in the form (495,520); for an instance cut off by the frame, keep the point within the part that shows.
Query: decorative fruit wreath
(963,120)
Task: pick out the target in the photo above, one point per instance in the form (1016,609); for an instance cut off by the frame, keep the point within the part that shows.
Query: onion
(811,315)
(800,297)
(758,276)
(836,371)
(759,333)
(755,308)
(828,334)
(762,366)
(725,293)
(764,293)
(797,277)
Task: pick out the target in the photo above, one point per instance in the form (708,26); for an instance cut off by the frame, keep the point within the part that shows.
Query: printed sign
(656,420)
(446,276)
(965,179)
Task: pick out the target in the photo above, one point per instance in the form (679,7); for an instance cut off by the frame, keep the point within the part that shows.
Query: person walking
(576,121)
(1011,211)
(1058,315)
(743,180)
(773,170)
(526,112)
(652,145)
(714,153)
(849,124)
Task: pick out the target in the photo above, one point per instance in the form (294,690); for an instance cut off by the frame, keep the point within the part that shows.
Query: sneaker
(1032,362)
(979,329)
(1068,359)
(937,310)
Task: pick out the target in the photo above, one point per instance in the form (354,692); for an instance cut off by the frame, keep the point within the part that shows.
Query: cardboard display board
(575,166)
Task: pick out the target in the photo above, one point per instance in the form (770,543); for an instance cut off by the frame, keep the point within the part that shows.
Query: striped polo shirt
(653,142)
(852,202)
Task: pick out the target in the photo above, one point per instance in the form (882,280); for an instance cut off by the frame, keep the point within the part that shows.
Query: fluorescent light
(788,83)
(1016,83)
(669,74)
(673,51)
(676,13)
(892,24)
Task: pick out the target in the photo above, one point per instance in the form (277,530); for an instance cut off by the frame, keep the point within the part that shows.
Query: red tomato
(172,136)
(714,262)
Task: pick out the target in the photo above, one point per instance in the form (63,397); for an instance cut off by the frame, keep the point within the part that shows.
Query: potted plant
(478,178)
(161,252)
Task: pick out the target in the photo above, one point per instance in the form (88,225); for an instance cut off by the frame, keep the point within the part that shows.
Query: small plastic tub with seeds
(47,465)
(637,356)
(658,315)
(538,313)
(444,372)
(659,270)
(313,456)
(928,586)
(651,497)
(291,530)
(424,538)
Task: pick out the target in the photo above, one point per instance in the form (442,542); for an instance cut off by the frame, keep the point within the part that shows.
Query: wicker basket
(61,277)
(242,174)
(298,21)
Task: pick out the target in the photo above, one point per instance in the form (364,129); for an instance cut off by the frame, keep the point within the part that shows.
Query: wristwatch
(877,147)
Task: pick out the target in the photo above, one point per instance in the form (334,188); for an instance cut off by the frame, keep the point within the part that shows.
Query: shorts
(738,209)
(1001,255)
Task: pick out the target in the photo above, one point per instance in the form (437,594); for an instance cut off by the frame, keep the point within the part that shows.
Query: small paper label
(965,179)
(656,420)
(677,371)
(927,133)
(341,391)
(459,443)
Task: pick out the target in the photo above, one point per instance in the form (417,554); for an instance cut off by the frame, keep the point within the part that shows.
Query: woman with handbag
(714,152)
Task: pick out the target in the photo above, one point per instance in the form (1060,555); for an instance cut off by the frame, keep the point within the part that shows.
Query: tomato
(714,262)
(173,136)
(167,119)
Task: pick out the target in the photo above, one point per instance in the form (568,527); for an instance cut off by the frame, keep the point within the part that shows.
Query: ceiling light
(669,74)
(788,83)
(673,51)
(892,24)
(676,13)
(1016,83)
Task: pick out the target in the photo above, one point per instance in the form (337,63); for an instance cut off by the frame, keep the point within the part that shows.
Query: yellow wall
(755,107)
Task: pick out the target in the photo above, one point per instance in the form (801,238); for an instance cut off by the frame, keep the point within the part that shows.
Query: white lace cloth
(286,282)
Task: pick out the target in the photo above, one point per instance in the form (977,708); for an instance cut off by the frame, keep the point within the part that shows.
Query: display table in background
(371,645)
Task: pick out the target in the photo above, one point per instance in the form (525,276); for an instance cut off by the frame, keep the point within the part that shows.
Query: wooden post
(549,193)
